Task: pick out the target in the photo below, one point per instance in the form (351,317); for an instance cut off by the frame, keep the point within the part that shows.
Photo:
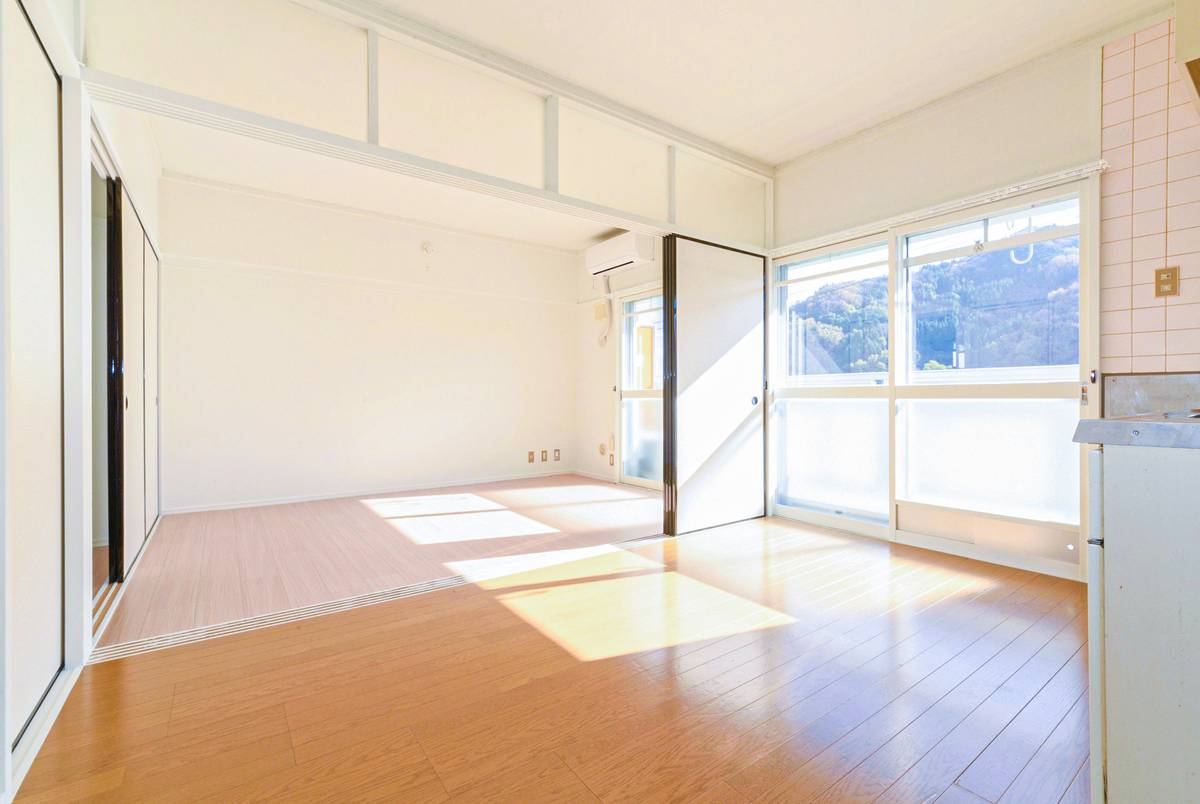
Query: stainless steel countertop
(1177,430)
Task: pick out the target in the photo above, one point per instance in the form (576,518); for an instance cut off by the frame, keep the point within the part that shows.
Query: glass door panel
(641,457)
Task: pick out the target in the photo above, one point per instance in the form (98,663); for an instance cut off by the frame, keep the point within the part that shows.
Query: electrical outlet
(558,455)
(531,456)
(544,456)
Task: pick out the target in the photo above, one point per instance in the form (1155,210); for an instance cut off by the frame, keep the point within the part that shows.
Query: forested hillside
(997,309)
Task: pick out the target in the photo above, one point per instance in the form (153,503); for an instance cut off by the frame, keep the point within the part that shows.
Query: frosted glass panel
(641,432)
(1003,456)
(833,455)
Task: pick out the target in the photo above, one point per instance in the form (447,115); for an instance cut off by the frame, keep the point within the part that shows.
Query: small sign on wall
(1166,281)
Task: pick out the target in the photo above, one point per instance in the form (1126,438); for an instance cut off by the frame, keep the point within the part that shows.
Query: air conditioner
(620,253)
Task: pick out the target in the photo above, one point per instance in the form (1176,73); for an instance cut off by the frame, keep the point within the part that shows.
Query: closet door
(133,416)
(32,382)
(716,472)
(151,384)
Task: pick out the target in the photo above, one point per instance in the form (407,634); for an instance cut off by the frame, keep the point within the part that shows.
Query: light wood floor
(213,567)
(762,661)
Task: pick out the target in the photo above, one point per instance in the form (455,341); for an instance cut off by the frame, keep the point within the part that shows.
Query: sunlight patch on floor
(430,504)
(618,616)
(551,566)
(602,515)
(443,528)
(561,495)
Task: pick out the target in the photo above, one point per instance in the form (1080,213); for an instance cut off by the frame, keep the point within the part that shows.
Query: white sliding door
(150,356)
(133,418)
(715,405)
(33,368)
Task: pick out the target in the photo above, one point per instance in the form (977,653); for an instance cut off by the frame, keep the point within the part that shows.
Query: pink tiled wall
(1150,207)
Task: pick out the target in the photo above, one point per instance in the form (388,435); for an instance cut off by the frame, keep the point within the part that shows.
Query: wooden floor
(207,568)
(763,661)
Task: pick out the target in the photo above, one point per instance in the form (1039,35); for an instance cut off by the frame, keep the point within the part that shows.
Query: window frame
(1086,189)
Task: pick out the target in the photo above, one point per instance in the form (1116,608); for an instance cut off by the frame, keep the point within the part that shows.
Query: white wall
(1034,120)
(313,352)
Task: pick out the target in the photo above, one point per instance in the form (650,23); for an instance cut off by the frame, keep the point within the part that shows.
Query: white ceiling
(194,151)
(774,79)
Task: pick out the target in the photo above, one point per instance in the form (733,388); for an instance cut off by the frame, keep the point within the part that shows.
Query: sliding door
(133,417)
(715,306)
(150,393)
(32,382)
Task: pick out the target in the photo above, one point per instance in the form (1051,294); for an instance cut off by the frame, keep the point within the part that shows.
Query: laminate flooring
(213,567)
(761,661)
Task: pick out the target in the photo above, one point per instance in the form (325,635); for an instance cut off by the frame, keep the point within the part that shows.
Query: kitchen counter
(1180,430)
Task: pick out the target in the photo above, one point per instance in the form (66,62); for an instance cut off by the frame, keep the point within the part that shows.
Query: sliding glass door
(927,382)
(641,391)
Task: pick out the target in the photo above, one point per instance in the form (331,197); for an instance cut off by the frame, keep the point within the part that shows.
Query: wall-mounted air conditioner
(620,253)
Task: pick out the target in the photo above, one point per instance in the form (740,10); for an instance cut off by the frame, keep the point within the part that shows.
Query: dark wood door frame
(116,391)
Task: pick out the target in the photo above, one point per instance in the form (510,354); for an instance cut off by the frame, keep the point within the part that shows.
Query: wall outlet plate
(544,456)
(1166,281)
(531,456)
(557,455)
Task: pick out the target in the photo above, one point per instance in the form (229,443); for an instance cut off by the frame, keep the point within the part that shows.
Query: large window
(930,376)
(641,390)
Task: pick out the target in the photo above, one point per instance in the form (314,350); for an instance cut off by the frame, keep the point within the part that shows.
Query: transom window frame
(1087,190)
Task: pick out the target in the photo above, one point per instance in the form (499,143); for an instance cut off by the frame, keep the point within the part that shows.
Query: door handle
(753,401)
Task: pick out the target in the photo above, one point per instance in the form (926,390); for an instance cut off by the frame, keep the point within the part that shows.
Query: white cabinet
(1145,625)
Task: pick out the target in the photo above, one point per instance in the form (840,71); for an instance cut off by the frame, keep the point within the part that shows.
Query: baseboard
(872,530)
(196,509)
(27,750)
(594,476)
(1043,566)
